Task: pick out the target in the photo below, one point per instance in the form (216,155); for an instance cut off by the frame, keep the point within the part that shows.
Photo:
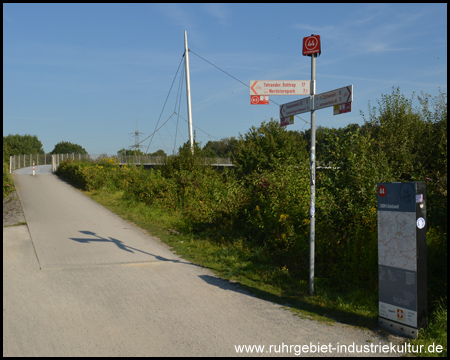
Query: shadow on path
(296,304)
(121,246)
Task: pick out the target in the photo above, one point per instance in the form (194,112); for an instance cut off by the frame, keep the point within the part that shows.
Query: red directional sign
(280,87)
(311,45)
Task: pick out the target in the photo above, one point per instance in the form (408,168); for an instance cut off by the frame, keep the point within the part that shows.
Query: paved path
(39,170)
(80,281)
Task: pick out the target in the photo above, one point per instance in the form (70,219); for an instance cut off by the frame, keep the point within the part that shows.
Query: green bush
(76,172)
(265,147)
(346,203)
(276,215)
(211,201)
(8,185)
(149,186)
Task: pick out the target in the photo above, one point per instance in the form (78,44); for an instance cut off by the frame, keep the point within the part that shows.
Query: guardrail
(25,160)
(21,161)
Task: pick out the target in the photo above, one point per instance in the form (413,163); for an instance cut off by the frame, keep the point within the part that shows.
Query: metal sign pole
(313,176)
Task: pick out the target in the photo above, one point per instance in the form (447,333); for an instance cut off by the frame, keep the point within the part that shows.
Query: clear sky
(85,73)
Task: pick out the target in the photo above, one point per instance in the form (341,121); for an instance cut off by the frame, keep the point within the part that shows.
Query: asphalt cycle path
(80,281)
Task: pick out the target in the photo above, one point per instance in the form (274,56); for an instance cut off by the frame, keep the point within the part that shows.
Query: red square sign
(259,99)
(311,45)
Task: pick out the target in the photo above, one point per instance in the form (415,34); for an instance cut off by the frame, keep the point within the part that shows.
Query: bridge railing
(26,160)
(161,160)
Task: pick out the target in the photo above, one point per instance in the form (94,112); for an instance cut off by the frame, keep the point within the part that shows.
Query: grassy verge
(231,260)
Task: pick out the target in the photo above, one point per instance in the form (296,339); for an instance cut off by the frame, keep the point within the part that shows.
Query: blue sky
(85,73)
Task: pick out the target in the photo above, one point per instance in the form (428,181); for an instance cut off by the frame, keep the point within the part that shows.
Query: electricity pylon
(136,145)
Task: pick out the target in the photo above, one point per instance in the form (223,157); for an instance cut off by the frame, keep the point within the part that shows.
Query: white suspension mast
(188,91)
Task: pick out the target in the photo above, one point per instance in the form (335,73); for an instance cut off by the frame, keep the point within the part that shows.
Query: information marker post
(402,257)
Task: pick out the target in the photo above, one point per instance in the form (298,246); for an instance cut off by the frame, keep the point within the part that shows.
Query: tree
(400,131)
(123,152)
(209,150)
(186,147)
(65,147)
(266,147)
(223,148)
(332,144)
(6,152)
(159,152)
(22,144)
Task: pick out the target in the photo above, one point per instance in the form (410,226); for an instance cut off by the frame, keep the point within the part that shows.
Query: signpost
(312,47)
(295,107)
(334,97)
(279,87)
(312,206)
(340,99)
